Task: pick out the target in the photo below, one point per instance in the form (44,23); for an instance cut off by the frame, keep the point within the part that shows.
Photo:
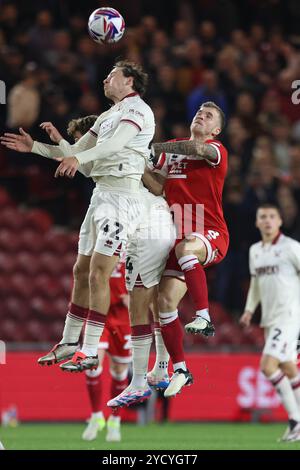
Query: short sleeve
(251,262)
(221,152)
(295,254)
(135,116)
(94,130)
(161,166)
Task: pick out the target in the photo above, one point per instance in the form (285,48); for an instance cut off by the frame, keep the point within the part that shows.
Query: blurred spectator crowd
(245,56)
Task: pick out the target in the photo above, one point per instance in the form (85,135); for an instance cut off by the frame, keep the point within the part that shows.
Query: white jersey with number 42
(276,268)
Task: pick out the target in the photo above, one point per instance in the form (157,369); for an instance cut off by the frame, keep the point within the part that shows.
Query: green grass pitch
(169,436)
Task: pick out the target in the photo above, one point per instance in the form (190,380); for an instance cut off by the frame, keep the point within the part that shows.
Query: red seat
(60,307)
(10,330)
(22,285)
(27,263)
(73,242)
(10,240)
(55,331)
(66,282)
(6,287)
(8,262)
(68,262)
(5,200)
(39,220)
(32,240)
(51,263)
(47,286)
(56,242)
(36,331)
(41,308)
(12,218)
(16,308)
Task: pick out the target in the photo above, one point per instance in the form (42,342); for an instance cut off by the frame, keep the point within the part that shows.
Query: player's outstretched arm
(52,132)
(125,132)
(186,147)
(22,142)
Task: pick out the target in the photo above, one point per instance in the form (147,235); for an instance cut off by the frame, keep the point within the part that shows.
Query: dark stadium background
(244,55)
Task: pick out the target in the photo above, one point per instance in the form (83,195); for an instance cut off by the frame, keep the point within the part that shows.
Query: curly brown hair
(81,125)
(131,69)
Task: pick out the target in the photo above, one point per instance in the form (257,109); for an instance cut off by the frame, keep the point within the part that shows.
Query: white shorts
(148,250)
(281,341)
(111,218)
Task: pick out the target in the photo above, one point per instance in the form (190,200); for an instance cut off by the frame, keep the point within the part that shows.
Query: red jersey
(118,312)
(193,190)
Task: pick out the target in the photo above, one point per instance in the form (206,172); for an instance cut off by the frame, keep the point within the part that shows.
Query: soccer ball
(106,25)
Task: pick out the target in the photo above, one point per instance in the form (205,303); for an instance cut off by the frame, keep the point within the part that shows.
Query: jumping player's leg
(158,377)
(171,291)
(141,338)
(192,253)
(76,316)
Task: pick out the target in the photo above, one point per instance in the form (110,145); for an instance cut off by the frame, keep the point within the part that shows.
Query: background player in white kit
(275,284)
(116,148)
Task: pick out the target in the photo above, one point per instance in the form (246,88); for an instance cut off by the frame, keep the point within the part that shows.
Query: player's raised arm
(187,147)
(124,134)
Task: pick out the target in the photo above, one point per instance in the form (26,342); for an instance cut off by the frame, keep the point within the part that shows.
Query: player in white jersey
(146,256)
(275,284)
(115,149)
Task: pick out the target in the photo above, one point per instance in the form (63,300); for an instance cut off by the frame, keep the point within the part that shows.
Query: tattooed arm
(186,147)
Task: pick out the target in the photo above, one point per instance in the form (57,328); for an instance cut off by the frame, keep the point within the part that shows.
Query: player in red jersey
(191,172)
(116,341)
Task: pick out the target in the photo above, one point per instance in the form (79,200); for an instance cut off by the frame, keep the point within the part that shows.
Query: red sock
(173,338)
(94,386)
(195,279)
(117,386)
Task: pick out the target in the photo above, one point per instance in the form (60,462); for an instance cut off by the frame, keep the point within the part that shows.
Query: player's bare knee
(80,273)
(268,367)
(166,302)
(182,249)
(98,279)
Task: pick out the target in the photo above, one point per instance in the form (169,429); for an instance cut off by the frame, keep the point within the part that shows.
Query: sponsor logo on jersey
(267,270)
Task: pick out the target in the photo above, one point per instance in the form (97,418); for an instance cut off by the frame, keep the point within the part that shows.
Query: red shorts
(216,244)
(116,340)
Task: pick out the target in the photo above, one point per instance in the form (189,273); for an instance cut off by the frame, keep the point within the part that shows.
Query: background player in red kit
(116,341)
(191,172)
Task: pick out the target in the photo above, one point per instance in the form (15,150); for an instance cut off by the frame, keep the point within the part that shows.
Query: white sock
(203,314)
(114,419)
(295,383)
(179,365)
(167,317)
(141,343)
(285,391)
(160,368)
(72,329)
(97,415)
(92,333)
